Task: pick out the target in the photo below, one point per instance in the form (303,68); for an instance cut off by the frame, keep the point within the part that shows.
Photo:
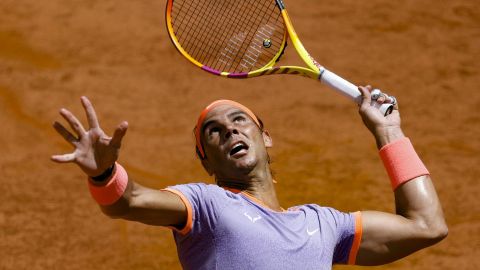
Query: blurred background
(118,53)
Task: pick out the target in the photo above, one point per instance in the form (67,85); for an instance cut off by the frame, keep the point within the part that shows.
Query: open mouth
(238,148)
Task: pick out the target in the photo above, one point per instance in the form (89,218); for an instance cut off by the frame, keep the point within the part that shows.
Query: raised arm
(96,154)
(419,221)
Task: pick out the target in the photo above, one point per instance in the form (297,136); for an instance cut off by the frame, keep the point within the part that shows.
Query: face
(233,142)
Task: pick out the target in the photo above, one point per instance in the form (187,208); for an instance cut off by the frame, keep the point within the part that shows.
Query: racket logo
(315,62)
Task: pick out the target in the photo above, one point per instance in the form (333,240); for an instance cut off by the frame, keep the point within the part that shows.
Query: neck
(258,184)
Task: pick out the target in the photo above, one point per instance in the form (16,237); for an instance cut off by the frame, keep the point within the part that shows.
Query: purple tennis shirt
(227,230)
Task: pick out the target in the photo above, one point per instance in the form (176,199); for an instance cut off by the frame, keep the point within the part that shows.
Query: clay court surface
(425,52)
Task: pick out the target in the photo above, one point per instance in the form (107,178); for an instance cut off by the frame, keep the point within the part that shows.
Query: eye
(239,118)
(213,130)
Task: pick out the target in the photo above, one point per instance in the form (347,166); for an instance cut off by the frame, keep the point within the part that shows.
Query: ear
(267,140)
(207,167)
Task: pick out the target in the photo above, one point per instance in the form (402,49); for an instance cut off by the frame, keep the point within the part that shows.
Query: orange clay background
(425,52)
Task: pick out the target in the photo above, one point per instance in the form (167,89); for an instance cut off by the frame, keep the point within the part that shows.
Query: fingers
(379,97)
(382,98)
(366,95)
(73,122)
(63,158)
(119,133)
(78,128)
(376,93)
(395,103)
(91,115)
(65,133)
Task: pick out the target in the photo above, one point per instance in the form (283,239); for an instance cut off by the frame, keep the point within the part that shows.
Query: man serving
(238,223)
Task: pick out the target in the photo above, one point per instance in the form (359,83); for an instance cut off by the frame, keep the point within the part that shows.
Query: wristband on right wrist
(401,162)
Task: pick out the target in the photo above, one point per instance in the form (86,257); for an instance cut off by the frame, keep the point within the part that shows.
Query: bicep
(388,237)
(151,206)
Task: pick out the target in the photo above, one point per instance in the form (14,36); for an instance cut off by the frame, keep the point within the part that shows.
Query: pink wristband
(113,190)
(402,162)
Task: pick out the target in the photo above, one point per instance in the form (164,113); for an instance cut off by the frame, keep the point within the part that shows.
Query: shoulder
(205,203)
(199,191)
(197,188)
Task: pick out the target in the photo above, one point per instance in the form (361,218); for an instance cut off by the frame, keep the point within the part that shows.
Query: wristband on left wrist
(110,192)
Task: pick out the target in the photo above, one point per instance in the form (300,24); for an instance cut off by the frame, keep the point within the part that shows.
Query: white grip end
(343,86)
(349,90)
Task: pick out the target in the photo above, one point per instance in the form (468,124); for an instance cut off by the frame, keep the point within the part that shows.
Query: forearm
(415,198)
(418,222)
(417,201)
(121,197)
(121,207)
(127,203)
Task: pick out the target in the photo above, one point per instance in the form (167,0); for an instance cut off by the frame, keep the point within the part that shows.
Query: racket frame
(313,70)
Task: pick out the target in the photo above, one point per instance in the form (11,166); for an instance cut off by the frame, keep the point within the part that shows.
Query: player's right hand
(384,128)
(94,151)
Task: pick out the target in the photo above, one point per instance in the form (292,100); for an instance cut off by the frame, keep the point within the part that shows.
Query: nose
(229,131)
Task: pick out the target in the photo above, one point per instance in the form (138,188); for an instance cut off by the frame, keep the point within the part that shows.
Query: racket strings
(248,61)
(229,35)
(202,33)
(193,32)
(219,34)
(194,37)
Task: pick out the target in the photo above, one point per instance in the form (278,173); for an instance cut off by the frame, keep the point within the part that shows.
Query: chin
(245,164)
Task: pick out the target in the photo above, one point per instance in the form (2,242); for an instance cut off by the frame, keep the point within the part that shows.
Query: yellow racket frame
(313,71)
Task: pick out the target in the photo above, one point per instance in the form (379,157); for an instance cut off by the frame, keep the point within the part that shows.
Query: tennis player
(238,223)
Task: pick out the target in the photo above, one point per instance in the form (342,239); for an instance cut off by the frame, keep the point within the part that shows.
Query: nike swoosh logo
(312,232)
(252,219)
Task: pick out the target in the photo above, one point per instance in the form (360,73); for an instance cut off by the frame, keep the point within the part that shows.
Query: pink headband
(210,107)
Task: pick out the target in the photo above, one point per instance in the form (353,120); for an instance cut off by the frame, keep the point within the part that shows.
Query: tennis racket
(244,39)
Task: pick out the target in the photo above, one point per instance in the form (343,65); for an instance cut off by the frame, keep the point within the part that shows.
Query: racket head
(231,38)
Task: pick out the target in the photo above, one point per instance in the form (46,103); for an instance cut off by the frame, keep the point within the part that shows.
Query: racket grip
(348,89)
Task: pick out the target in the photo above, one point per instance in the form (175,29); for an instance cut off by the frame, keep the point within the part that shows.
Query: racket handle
(349,90)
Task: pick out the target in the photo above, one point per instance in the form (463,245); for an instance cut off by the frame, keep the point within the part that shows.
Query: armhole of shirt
(189,223)
(352,257)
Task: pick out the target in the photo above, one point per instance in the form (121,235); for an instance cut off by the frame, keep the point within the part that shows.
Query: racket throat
(302,52)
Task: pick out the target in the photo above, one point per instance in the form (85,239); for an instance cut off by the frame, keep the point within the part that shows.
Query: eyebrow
(230,115)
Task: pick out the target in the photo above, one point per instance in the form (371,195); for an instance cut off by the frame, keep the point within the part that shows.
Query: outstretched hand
(384,128)
(94,151)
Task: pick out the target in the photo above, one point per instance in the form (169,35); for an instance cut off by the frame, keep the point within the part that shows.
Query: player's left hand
(94,151)
(384,128)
